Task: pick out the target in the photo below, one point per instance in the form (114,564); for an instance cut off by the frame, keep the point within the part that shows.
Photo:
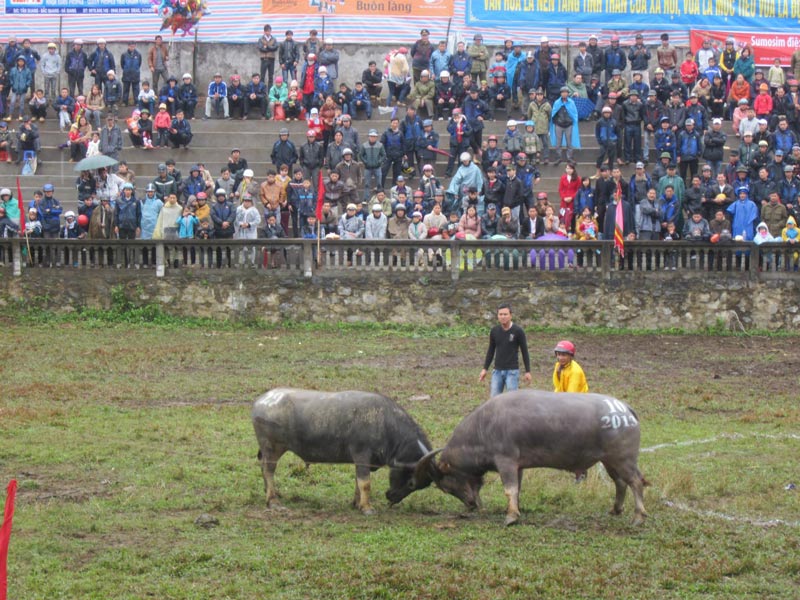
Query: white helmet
(5,192)
(465,156)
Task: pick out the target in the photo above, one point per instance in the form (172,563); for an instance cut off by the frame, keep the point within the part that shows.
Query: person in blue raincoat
(151,208)
(468,175)
(564,126)
(744,215)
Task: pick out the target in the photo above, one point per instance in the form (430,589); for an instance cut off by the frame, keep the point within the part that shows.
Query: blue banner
(774,15)
(78,7)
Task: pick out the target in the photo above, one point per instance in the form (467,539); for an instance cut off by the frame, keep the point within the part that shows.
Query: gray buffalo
(361,428)
(529,428)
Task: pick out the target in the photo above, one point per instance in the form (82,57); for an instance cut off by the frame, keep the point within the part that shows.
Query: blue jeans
(365,104)
(504,378)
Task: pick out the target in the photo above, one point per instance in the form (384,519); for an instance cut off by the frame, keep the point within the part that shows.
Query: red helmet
(565,346)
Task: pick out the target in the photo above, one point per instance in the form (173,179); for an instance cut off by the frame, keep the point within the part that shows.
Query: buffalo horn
(427,468)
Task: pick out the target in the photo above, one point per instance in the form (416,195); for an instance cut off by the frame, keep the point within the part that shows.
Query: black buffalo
(361,428)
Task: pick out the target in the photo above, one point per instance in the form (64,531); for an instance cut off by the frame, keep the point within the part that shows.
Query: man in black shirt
(506,340)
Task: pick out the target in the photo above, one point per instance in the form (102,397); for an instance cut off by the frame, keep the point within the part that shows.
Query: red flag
(5,537)
(21,205)
(619,240)
(320,196)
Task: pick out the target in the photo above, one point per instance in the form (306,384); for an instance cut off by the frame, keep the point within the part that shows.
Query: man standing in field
(506,340)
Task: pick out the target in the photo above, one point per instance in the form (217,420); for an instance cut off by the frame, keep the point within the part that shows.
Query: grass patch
(122,434)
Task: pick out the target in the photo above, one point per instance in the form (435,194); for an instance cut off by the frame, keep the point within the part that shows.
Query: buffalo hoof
(511,520)
(368,511)
(639,518)
(615,511)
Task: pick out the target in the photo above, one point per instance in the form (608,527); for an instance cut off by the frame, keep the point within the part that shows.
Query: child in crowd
(162,124)
(670,234)
(38,105)
(147,98)
(512,140)
(776,76)
(531,143)
(93,148)
(65,106)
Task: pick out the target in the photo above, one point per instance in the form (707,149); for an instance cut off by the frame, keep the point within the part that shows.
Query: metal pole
(194,56)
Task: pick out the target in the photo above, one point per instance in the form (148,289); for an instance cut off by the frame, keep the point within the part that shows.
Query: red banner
(5,536)
(766,47)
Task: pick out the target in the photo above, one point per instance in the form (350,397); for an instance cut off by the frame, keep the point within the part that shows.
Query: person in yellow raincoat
(568,375)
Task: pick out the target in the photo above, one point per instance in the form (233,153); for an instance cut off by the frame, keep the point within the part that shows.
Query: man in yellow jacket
(567,374)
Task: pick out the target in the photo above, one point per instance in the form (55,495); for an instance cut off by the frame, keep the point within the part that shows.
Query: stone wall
(658,300)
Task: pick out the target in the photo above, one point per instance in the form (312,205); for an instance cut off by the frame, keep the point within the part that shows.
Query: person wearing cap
(468,175)
(479,55)
(51,67)
(605,132)
(151,209)
(245,225)
(187,96)
(539,111)
(101,61)
(639,57)
(499,94)
(372,155)
(423,92)
(568,376)
(278,94)
(351,173)
(112,92)
(528,77)
(421,52)
(140,130)
(460,131)
(775,212)
(714,142)
(131,64)
(351,225)
(661,85)
(255,97)
(673,181)
(632,118)
(267,46)
(111,138)
(427,144)
(564,127)
(288,56)
(329,58)
(217,97)
(375,223)
(614,58)
(556,77)
(9,54)
(75,65)
(127,215)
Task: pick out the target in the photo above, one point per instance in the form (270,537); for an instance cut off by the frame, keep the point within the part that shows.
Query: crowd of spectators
(650,108)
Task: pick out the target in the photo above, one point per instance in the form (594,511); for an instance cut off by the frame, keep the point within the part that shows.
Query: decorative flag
(5,537)
(21,205)
(320,196)
(619,240)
